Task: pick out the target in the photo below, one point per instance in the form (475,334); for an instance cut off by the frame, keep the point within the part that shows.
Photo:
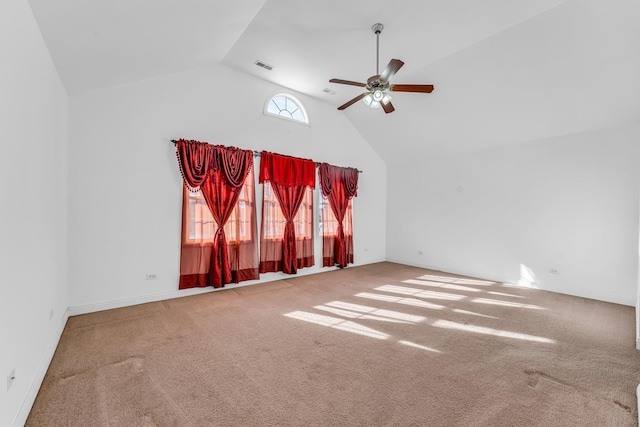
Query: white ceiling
(505,71)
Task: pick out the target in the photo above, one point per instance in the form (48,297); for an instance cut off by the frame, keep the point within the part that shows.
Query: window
(202,227)
(329,223)
(329,232)
(274,221)
(286,107)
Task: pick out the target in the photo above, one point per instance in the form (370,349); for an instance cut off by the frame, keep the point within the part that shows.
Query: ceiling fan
(378,85)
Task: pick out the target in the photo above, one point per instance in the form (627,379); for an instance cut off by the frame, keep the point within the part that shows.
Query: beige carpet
(378,345)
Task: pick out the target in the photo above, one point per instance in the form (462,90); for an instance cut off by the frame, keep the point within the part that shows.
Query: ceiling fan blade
(411,88)
(347,82)
(392,68)
(353,101)
(388,107)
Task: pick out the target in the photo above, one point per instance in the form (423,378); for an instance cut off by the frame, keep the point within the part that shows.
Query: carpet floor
(377,345)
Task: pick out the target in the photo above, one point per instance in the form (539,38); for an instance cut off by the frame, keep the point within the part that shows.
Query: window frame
(198,199)
(322,229)
(300,219)
(292,98)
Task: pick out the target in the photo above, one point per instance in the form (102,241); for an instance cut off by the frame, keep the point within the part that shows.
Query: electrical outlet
(11,378)
(554,271)
(151,276)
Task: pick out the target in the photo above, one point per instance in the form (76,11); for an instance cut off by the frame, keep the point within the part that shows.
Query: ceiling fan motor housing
(374,83)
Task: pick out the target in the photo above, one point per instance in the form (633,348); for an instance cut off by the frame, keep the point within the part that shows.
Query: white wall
(33,209)
(512,213)
(638,307)
(125,187)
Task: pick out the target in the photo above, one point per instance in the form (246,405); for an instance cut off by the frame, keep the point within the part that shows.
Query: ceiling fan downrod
(377,28)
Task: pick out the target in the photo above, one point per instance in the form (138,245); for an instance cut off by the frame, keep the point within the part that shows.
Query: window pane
(273,108)
(297,115)
(285,106)
(202,226)
(280,102)
(273,220)
(329,221)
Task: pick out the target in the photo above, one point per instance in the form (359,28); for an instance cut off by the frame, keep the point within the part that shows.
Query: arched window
(287,107)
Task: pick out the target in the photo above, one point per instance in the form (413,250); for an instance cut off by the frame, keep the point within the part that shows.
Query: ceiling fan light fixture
(376,97)
(386,99)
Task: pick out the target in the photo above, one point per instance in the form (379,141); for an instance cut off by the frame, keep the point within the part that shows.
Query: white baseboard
(32,393)
(638,398)
(142,299)
(568,290)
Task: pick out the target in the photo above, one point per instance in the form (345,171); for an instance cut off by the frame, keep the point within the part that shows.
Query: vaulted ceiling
(505,71)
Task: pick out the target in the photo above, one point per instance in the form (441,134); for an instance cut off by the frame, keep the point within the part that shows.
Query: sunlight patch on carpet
(400,300)
(458,280)
(354,315)
(515,285)
(457,310)
(474,282)
(446,324)
(421,347)
(377,311)
(337,323)
(438,278)
(420,293)
(441,285)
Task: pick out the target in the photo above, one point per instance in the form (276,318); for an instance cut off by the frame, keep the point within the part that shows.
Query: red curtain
(290,179)
(330,232)
(220,174)
(339,186)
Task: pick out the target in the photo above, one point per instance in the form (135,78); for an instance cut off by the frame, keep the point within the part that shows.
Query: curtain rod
(256,154)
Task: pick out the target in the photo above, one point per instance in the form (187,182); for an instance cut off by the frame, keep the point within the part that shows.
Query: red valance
(334,176)
(198,160)
(195,160)
(287,171)
(235,164)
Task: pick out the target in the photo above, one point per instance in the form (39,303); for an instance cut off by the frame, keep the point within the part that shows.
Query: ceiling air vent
(263,65)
